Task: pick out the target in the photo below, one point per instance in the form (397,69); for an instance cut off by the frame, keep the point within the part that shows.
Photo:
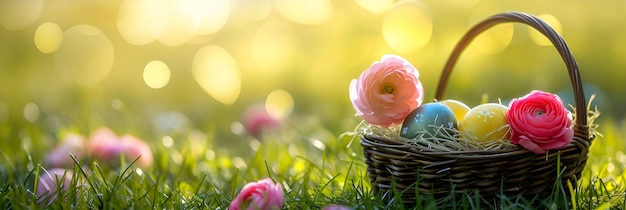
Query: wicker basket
(396,167)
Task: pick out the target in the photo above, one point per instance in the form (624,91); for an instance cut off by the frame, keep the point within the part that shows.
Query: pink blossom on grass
(134,148)
(387,91)
(104,145)
(256,120)
(539,122)
(60,156)
(47,185)
(107,146)
(261,195)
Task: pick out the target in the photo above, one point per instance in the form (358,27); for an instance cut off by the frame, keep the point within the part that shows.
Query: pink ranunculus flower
(60,156)
(539,122)
(106,146)
(47,184)
(257,121)
(387,91)
(261,195)
(134,148)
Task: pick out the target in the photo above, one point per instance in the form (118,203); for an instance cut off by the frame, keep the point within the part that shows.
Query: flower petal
(387,91)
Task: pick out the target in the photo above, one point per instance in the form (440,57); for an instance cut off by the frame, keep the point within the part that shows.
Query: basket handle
(541,26)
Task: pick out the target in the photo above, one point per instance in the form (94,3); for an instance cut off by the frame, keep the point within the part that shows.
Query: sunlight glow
(274,46)
(237,128)
(141,21)
(218,74)
(19,14)
(171,22)
(407,27)
(182,22)
(167,141)
(495,39)
(48,37)
(376,7)
(254,10)
(214,15)
(279,104)
(85,56)
(539,38)
(239,163)
(304,11)
(31,112)
(209,154)
(139,171)
(156,74)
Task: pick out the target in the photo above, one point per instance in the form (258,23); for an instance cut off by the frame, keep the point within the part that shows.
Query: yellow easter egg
(459,108)
(485,123)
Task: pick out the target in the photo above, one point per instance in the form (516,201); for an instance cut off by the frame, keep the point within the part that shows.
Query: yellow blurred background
(211,59)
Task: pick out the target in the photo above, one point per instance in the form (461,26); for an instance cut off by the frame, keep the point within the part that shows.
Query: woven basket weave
(396,166)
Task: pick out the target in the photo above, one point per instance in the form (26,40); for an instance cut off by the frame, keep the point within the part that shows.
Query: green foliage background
(325,57)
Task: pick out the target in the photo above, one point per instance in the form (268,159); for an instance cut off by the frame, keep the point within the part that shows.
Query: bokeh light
(181,23)
(253,10)
(85,56)
(217,73)
(48,37)
(31,112)
(19,14)
(375,6)
(156,74)
(141,21)
(279,104)
(274,46)
(304,12)
(407,27)
(214,15)
(495,39)
(171,22)
(539,38)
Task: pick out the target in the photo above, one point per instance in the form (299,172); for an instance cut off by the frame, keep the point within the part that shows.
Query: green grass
(315,164)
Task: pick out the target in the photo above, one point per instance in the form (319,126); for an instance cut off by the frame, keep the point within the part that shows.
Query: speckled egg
(485,123)
(458,108)
(428,120)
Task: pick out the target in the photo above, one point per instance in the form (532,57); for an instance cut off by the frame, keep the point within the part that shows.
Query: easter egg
(428,120)
(485,123)
(458,108)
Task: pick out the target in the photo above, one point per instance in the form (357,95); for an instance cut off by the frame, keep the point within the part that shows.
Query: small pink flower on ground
(336,207)
(134,147)
(59,157)
(387,91)
(105,145)
(256,120)
(47,185)
(261,195)
(539,122)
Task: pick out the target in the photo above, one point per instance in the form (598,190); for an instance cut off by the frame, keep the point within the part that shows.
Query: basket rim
(387,143)
(541,26)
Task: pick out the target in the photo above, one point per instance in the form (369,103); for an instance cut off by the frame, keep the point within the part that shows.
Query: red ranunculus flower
(539,122)
(387,91)
(261,195)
